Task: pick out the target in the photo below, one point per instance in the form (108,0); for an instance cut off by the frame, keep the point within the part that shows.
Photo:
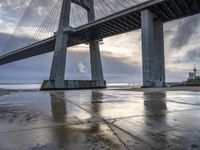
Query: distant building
(193,75)
(195,72)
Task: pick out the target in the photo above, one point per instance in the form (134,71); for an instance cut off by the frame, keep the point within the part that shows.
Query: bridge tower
(152,50)
(57,76)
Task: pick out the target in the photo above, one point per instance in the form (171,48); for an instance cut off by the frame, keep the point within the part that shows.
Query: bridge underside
(121,22)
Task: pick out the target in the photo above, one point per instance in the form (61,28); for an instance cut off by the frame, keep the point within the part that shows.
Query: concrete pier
(57,77)
(152,50)
(96,65)
(95,56)
(76,84)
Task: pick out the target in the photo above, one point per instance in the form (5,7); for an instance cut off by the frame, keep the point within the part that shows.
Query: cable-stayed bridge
(87,21)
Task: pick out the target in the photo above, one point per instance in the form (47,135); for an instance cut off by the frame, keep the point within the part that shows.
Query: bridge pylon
(95,56)
(57,76)
(153,58)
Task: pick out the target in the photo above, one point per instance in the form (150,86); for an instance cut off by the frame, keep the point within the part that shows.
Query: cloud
(186,29)
(12,42)
(82,68)
(121,55)
(193,55)
(36,69)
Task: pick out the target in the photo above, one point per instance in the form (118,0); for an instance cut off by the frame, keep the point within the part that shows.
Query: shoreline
(164,89)
(123,88)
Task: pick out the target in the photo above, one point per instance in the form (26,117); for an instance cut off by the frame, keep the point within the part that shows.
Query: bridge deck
(118,23)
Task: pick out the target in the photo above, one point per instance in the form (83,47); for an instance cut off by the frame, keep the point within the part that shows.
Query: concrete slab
(27,110)
(99,119)
(74,137)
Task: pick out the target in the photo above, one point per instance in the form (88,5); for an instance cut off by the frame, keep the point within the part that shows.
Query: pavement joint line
(96,115)
(78,105)
(136,136)
(115,134)
(167,100)
(86,122)
(105,121)
(103,118)
(177,128)
(83,122)
(66,124)
(174,111)
(198,104)
(46,127)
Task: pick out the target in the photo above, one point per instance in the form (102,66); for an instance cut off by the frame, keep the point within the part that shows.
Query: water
(20,86)
(37,86)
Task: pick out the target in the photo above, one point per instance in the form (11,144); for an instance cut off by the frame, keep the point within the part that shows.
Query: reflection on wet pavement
(100,119)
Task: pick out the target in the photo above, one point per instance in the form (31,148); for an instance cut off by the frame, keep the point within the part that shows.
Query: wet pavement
(100,119)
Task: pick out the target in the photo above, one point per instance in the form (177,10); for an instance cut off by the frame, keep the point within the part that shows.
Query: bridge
(148,16)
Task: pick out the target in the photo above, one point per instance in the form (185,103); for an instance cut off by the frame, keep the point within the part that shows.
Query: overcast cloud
(121,55)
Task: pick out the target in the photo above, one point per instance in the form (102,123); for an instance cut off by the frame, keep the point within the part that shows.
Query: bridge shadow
(155,118)
(90,135)
(58,108)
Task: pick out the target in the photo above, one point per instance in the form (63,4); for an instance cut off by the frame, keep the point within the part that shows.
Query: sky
(121,54)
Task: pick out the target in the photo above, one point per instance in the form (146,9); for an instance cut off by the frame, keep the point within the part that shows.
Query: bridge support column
(96,65)
(57,75)
(95,56)
(152,50)
(57,81)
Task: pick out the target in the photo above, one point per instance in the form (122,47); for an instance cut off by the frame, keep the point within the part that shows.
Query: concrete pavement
(100,119)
